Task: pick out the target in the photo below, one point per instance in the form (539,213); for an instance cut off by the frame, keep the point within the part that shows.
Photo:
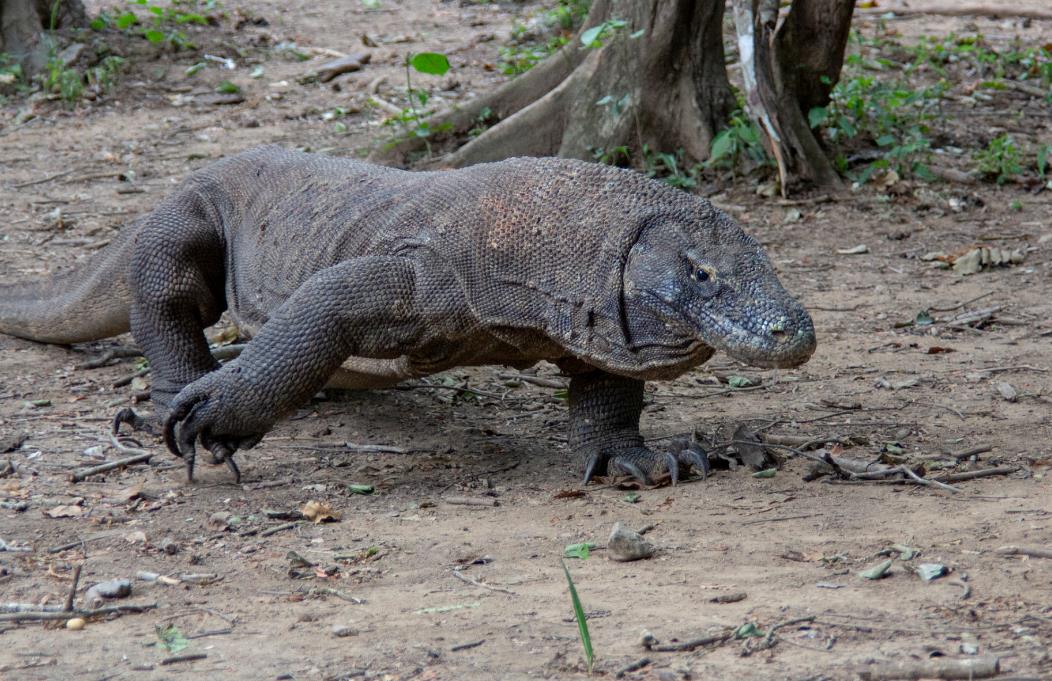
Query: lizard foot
(131,418)
(644,464)
(199,414)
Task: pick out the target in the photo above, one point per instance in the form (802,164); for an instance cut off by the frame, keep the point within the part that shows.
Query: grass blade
(582,623)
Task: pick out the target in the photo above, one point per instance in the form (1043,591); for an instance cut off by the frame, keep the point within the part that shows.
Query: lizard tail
(89,302)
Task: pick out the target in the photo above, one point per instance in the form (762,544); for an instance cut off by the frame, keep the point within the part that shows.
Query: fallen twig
(973,475)
(68,607)
(122,352)
(632,667)
(471,501)
(66,614)
(685,646)
(474,582)
(979,667)
(183,658)
(84,473)
(535,380)
(467,646)
(279,528)
(1024,551)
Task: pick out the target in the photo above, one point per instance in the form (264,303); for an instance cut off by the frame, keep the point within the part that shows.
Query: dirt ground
(391,571)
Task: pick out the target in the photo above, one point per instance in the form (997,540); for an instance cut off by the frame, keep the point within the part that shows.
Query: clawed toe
(641,464)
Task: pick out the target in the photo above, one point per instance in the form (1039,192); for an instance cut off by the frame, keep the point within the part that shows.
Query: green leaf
(817,116)
(632,497)
(433,63)
(154,36)
(924,318)
(97,24)
(748,630)
(591,36)
(582,622)
(885,140)
(196,68)
(125,20)
(360,489)
(877,571)
(227,88)
(561,394)
(722,146)
(638,34)
(905,552)
(739,381)
(578,550)
(768,473)
(171,639)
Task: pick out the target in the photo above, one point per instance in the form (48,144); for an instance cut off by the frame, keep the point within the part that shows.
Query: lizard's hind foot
(645,465)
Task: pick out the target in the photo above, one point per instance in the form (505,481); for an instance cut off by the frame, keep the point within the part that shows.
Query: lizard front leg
(364,307)
(604,425)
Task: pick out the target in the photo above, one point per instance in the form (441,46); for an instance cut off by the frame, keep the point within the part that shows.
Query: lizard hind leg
(604,425)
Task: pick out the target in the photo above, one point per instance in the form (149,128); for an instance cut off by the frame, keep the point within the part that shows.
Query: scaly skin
(373,275)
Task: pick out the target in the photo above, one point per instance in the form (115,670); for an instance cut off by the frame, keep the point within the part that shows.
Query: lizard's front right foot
(207,411)
(644,464)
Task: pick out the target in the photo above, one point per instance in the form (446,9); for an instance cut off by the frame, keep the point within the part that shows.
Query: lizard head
(695,275)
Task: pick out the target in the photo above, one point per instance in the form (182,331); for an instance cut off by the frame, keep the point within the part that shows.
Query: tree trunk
(666,89)
(22,23)
(782,73)
(810,49)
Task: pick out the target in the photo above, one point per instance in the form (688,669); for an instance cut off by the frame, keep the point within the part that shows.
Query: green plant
(413,118)
(668,167)
(612,156)
(160,23)
(1002,159)
(739,141)
(892,116)
(104,75)
(582,621)
(59,79)
(594,37)
(10,70)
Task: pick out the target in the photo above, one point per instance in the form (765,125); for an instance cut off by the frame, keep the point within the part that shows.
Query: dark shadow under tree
(23,24)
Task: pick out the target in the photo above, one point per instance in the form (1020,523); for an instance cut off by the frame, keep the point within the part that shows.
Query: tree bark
(772,77)
(666,89)
(810,48)
(23,21)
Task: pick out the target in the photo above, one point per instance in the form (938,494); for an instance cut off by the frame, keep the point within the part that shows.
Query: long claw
(698,461)
(673,467)
(232,465)
(591,467)
(630,468)
(189,458)
(177,416)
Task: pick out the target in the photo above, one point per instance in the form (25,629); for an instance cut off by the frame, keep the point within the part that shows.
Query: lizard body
(363,276)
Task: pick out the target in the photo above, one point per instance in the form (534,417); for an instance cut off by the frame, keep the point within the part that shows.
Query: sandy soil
(391,571)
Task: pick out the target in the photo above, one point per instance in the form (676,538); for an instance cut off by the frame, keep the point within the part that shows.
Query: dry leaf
(319,512)
(128,493)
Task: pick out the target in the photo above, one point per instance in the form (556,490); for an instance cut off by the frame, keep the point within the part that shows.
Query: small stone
(75,623)
(626,545)
(115,588)
(342,631)
(169,546)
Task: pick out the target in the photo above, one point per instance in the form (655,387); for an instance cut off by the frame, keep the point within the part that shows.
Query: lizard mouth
(772,341)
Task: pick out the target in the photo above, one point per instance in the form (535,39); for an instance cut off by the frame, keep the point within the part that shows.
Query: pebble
(115,588)
(342,630)
(626,545)
(75,624)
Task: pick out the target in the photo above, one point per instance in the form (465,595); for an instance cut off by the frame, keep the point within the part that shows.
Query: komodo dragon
(325,261)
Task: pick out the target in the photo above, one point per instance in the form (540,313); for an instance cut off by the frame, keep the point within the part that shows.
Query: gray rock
(625,545)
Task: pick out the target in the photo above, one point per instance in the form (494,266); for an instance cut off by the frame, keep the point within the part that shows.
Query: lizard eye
(702,274)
